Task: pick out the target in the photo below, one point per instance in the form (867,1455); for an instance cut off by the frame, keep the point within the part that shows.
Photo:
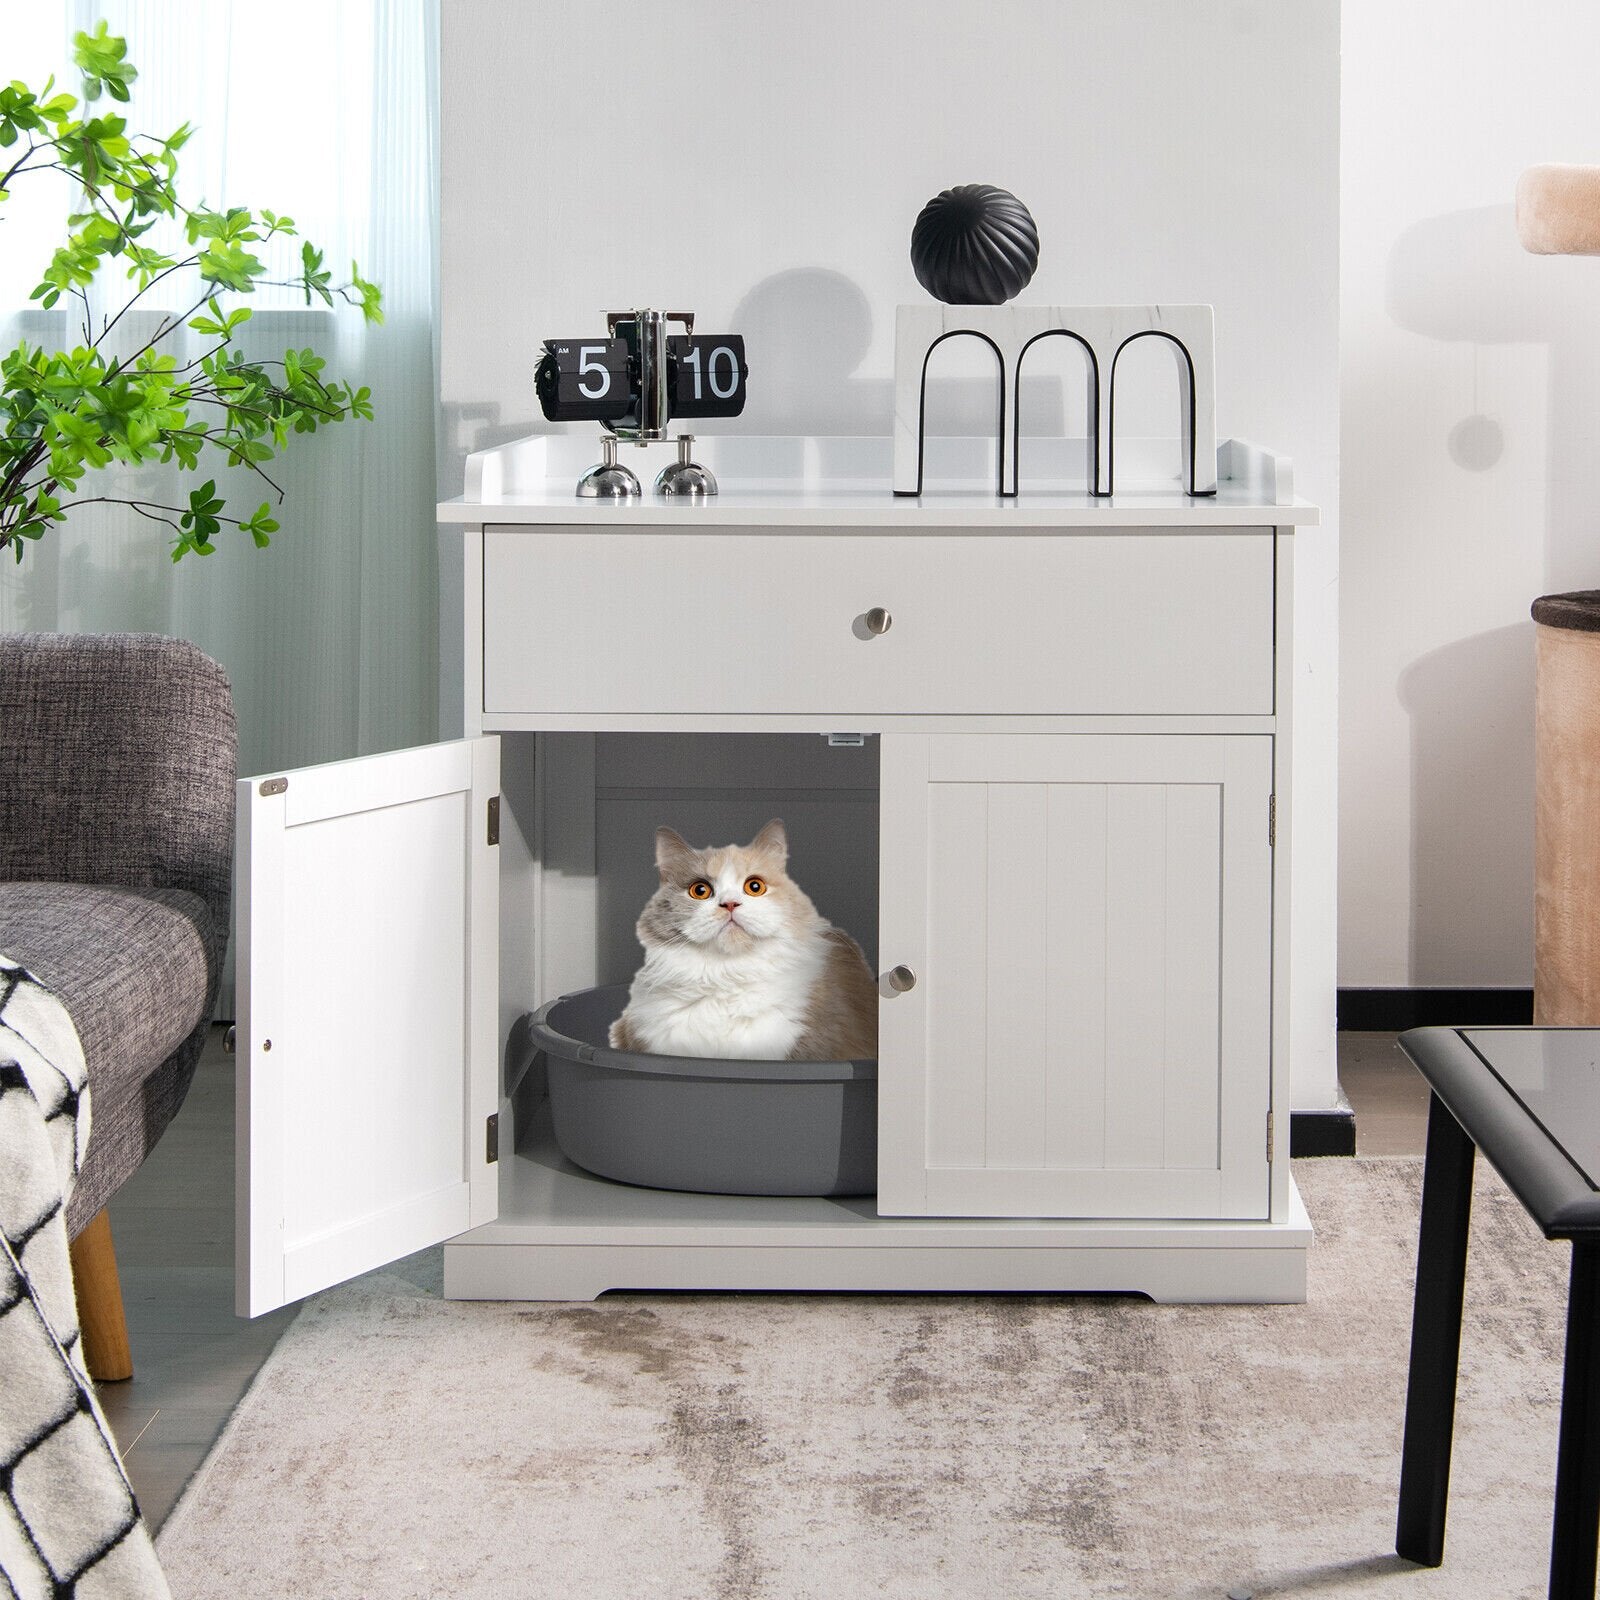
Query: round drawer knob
(879,620)
(902,979)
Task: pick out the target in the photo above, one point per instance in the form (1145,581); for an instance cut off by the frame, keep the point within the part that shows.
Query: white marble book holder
(1104,332)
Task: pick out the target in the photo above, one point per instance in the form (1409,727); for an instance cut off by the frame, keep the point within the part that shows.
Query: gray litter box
(711,1126)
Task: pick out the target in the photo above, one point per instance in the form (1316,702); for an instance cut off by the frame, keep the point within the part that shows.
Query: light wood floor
(193,1358)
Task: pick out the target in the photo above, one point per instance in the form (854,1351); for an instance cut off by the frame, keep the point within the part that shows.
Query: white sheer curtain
(327,113)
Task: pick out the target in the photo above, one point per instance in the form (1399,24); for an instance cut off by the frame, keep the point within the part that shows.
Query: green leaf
(260,525)
(229,265)
(102,58)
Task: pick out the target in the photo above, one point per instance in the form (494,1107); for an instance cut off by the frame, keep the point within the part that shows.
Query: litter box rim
(548,1035)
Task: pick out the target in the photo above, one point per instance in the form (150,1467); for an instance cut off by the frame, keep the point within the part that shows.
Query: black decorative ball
(974,245)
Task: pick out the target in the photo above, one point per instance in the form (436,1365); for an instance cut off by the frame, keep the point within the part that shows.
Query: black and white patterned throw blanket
(69,1526)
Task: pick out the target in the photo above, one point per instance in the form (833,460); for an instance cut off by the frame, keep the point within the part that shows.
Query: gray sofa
(117,761)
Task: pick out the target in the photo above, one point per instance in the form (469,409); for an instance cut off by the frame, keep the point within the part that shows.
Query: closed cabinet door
(1082,1024)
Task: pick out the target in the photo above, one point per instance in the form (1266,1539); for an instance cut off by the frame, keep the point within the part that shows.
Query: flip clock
(634,382)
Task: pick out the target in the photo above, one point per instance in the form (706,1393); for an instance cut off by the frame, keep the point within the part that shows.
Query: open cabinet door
(367,916)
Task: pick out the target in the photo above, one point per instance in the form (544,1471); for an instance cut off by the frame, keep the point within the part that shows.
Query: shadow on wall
(1471,710)
(807,332)
(464,428)
(1463,278)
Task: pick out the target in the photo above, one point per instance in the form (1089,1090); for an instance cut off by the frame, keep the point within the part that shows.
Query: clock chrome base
(685,479)
(608,479)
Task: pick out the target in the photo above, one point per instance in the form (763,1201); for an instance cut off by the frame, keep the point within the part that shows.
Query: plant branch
(22,161)
(145,508)
(163,329)
(136,298)
(214,397)
(106,207)
(18,472)
(217,438)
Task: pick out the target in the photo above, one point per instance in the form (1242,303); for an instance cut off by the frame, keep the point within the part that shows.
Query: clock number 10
(708,374)
(722,390)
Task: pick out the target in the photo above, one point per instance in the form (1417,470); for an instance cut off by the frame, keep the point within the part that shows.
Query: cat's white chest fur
(690,1001)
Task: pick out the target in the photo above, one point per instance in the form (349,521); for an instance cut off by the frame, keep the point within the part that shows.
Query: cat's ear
(675,856)
(772,842)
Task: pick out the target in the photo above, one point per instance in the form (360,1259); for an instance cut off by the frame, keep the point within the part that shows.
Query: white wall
(1471,403)
(763,165)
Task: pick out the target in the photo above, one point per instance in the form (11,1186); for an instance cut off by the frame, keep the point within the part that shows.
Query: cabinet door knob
(879,620)
(901,979)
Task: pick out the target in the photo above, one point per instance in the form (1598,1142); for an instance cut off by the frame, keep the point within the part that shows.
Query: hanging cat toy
(634,382)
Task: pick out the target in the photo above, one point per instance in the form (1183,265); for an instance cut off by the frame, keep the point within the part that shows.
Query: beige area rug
(717,1447)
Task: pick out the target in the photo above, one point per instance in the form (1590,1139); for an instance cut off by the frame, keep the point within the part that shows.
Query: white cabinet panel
(1090,921)
(367,924)
(1157,623)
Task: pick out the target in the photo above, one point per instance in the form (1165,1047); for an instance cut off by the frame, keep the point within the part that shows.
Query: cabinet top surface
(843,509)
(822,483)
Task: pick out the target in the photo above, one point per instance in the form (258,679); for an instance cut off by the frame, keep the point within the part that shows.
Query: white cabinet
(1076,728)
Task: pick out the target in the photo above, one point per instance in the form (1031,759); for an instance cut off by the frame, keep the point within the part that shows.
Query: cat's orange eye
(755,886)
(700,890)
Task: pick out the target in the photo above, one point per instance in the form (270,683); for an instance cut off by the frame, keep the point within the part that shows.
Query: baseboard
(1395,1010)
(1323,1133)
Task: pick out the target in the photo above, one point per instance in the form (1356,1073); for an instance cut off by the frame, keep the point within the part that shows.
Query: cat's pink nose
(730,905)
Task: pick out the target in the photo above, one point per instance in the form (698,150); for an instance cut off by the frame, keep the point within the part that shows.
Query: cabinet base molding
(569,1236)
(1184,1275)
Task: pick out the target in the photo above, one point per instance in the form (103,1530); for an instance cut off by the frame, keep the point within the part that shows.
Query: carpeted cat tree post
(1558,213)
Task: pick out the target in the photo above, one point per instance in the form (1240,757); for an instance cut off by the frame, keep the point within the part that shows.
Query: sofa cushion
(129,963)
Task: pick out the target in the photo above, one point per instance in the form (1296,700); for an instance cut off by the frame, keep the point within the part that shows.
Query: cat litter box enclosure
(1085,726)
(710,1126)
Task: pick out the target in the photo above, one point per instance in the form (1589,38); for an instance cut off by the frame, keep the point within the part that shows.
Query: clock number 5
(585,365)
(692,361)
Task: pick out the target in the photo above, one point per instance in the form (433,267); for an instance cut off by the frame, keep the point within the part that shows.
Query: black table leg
(1435,1338)
(1577,1519)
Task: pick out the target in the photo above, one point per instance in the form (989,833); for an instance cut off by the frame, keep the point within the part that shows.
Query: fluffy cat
(738,962)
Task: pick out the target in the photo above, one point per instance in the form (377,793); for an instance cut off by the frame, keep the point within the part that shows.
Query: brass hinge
(494,819)
(1272,820)
(491,1138)
(1269,1136)
(274,786)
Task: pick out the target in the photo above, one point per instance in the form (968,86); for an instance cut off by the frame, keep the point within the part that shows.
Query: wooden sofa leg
(99,1290)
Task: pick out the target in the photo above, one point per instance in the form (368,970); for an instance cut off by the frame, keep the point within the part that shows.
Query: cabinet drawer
(1141,623)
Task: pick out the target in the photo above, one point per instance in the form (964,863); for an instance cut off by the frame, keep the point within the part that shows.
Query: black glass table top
(1529,1099)
(1555,1075)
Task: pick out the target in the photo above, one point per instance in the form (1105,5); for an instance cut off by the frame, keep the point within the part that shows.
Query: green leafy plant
(120,400)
